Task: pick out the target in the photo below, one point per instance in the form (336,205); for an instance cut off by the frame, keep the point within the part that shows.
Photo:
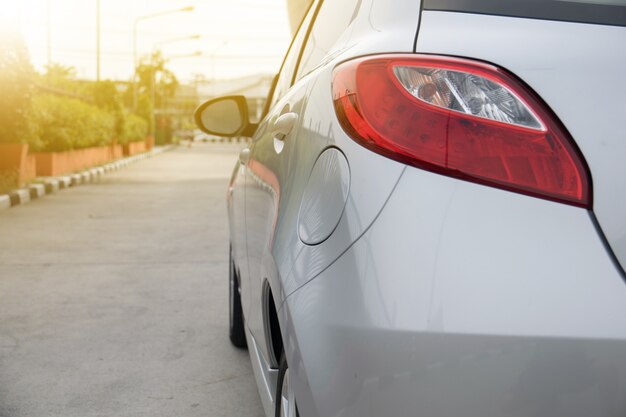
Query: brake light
(463,119)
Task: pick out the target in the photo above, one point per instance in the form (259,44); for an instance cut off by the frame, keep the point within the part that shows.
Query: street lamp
(179,39)
(196,53)
(135,24)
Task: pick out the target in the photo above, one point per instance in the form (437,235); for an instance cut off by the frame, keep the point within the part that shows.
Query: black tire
(282,370)
(235,327)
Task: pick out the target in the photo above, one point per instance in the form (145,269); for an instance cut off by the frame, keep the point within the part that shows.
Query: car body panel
(265,377)
(236,200)
(459,309)
(578,69)
(270,185)
(275,183)
(376,29)
(300,262)
(269,182)
(324,197)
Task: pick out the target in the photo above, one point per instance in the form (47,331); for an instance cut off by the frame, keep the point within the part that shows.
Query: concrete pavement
(113,296)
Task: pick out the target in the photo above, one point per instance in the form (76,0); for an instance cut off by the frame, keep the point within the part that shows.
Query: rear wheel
(236,330)
(285,396)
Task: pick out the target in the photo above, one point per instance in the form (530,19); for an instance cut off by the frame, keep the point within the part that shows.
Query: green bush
(145,109)
(66,123)
(8,181)
(135,129)
(59,116)
(106,97)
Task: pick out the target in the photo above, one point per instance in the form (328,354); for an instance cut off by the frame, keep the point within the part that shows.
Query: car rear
(481,292)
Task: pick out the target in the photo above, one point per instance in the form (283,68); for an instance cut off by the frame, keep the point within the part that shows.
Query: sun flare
(10,15)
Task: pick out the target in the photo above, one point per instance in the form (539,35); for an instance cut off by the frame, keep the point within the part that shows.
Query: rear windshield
(603,12)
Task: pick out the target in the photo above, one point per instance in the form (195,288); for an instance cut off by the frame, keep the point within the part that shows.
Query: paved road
(113,296)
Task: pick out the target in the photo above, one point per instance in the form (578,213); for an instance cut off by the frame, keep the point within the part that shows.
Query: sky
(237,37)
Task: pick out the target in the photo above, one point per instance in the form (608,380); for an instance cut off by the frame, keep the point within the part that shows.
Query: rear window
(603,12)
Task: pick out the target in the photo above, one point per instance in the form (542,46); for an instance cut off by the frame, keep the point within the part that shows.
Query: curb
(5,201)
(19,196)
(37,190)
(54,184)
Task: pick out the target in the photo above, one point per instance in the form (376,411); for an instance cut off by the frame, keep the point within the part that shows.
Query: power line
(89,52)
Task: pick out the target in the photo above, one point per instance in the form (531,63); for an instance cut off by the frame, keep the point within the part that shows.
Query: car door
(269,162)
(236,196)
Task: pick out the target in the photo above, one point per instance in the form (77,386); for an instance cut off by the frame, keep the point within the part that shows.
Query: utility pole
(48,40)
(98,40)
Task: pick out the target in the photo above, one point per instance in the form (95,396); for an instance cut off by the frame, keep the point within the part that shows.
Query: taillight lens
(460,118)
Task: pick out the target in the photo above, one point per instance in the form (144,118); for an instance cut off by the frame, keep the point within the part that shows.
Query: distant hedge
(65,123)
(135,129)
(40,109)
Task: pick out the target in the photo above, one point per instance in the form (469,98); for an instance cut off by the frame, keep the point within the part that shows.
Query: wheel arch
(273,334)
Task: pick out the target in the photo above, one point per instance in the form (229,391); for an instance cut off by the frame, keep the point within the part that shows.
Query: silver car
(430,219)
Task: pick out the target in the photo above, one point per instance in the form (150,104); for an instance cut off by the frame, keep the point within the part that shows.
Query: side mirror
(225,116)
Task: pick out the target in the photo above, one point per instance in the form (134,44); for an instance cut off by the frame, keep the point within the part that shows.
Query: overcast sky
(244,36)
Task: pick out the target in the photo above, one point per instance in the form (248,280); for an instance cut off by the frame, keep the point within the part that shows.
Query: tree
(151,70)
(145,110)
(106,97)
(60,76)
(156,85)
(16,87)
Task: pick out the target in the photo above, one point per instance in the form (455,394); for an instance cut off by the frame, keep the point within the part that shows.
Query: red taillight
(460,118)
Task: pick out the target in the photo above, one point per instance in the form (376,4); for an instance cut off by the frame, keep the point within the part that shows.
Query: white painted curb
(5,201)
(52,185)
(37,190)
(65,181)
(20,196)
